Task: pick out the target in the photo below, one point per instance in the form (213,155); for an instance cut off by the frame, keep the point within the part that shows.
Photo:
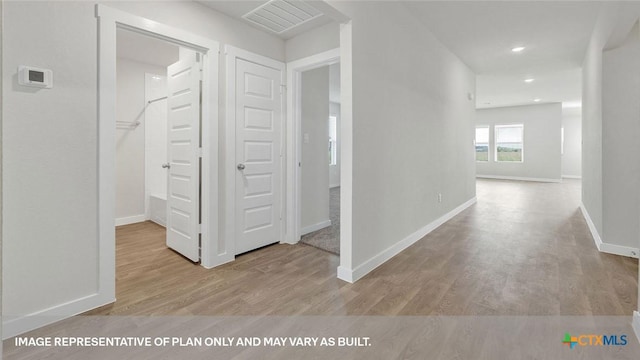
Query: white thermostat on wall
(35,77)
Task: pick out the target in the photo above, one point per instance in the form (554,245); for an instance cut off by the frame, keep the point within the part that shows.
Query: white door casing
(258,154)
(183,183)
(294,143)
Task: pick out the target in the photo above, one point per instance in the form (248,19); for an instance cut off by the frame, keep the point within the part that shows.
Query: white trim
(603,246)
(315,227)
(294,145)
(231,54)
(158,222)
(369,265)
(346,147)
(518,178)
(13,326)
(636,324)
(131,219)
(571,177)
(591,225)
(619,250)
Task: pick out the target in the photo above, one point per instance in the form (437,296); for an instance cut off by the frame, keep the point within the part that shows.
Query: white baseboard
(591,225)
(603,246)
(369,265)
(315,227)
(131,220)
(636,324)
(159,222)
(571,177)
(16,325)
(345,274)
(518,178)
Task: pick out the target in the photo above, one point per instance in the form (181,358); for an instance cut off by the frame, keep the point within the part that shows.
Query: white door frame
(294,145)
(109,20)
(294,136)
(232,53)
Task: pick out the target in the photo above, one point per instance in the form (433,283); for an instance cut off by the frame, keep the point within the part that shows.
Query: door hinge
(283,89)
(199,228)
(199,152)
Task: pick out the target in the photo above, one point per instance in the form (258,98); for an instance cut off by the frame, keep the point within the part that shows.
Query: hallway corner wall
(413,126)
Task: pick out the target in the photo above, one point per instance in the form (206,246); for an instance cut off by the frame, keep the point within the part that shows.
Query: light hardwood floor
(523,249)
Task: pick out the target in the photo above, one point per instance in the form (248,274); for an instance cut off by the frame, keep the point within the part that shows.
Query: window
(482,143)
(509,143)
(333,140)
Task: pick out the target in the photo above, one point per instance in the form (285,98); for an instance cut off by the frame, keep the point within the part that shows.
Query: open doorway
(320,158)
(141,127)
(195,98)
(158,141)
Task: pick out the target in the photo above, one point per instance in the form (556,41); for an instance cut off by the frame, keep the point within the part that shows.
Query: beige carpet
(328,239)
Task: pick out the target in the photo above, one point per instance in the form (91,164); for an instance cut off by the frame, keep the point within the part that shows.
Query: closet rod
(158,99)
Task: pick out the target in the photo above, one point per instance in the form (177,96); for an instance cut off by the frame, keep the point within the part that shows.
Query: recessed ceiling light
(528,80)
(517,49)
(536,100)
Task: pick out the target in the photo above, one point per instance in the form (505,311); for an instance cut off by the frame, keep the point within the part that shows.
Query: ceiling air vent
(282,15)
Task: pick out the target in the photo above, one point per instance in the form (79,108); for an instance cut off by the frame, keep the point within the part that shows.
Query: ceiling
(236,9)
(482,34)
(145,49)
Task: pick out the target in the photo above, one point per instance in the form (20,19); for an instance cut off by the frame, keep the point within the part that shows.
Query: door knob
(240,166)
(166,166)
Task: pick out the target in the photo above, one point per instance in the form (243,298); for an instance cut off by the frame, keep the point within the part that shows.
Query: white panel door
(258,116)
(183,132)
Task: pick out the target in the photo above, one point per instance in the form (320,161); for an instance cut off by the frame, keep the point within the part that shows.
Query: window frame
(475,143)
(333,143)
(495,142)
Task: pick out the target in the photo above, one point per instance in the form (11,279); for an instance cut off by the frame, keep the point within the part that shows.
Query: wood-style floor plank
(523,249)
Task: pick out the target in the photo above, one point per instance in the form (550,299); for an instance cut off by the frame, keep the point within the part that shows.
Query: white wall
(594,189)
(202,20)
(572,155)
(315,160)
(130,142)
(334,170)
(620,145)
(608,195)
(413,128)
(592,118)
(541,151)
(50,148)
(608,24)
(315,41)
(334,83)
(49,158)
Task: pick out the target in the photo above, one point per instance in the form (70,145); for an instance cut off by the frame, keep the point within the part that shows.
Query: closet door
(258,116)
(183,185)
